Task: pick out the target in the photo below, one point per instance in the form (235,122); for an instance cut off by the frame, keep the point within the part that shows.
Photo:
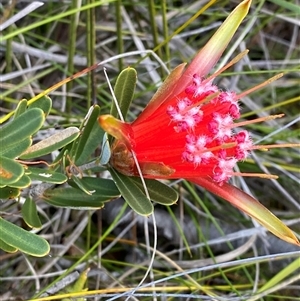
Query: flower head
(191,134)
(190,130)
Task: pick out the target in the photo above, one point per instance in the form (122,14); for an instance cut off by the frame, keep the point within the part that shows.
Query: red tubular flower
(191,136)
(188,130)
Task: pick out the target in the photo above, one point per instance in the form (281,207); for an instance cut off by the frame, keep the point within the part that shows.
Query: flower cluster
(192,134)
(189,130)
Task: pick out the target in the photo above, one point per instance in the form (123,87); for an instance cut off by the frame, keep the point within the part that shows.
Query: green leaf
(9,193)
(16,149)
(21,108)
(78,183)
(293,7)
(284,273)
(22,127)
(101,190)
(51,143)
(46,175)
(23,182)
(30,215)
(7,248)
(159,192)
(132,194)
(25,241)
(44,103)
(124,90)
(90,137)
(99,187)
(10,171)
(71,198)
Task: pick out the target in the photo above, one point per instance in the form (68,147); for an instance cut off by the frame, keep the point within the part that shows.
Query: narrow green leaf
(9,193)
(23,182)
(98,187)
(10,171)
(293,7)
(90,137)
(7,248)
(22,127)
(14,150)
(132,194)
(71,198)
(100,191)
(86,126)
(52,143)
(79,184)
(283,274)
(44,103)
(158,191)
(124,90)
(21,108)
(30,215)
(46,175)
(25,241)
